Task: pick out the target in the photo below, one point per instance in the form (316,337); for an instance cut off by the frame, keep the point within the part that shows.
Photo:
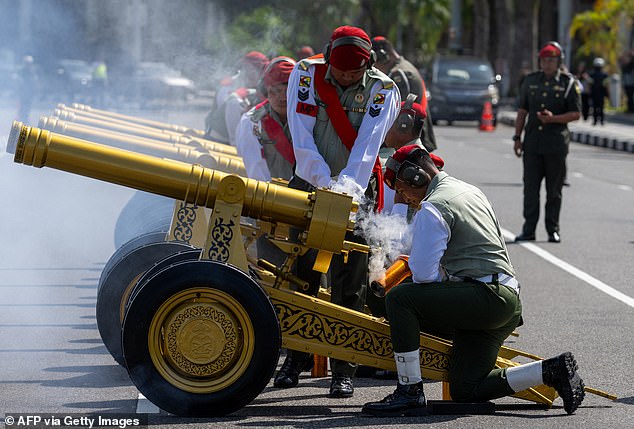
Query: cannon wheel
(116,287)
(200,338)
(136,242)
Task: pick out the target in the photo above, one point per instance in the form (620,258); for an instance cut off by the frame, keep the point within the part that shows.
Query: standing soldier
(409,81)
(264,140)
(550,99)
(235,96)
(339,110)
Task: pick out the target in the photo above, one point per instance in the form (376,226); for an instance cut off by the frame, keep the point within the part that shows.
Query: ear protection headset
(410,173)
(407,118)
(350,40)
(267,69)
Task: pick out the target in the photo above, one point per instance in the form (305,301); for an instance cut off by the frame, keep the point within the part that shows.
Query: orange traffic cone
(486,122)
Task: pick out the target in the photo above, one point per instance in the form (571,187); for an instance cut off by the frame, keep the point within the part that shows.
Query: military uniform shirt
(261,160)
(538,93)
(371,106)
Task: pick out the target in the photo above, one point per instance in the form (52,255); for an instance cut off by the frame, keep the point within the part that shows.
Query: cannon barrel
(142,121)
(218,161)
(135,128)
(323,215)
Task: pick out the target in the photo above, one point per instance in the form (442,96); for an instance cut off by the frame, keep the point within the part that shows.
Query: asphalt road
(56,233)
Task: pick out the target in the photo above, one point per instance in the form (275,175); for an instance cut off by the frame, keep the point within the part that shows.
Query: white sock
(524,376)
(408,367)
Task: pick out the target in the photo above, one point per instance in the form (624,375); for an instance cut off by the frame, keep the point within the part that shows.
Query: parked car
(156,82)
(69,81)
(459,86)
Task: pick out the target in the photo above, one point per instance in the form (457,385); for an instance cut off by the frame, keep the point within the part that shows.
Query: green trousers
(478,317)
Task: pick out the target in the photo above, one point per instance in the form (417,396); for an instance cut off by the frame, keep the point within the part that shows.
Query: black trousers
(348,281)
(537,167)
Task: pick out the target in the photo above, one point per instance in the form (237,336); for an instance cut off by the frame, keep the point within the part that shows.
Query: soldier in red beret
(549,100)
(339,110)
(463,283)
(234,96)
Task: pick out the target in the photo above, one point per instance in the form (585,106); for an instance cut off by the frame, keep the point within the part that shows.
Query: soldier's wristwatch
(516,138)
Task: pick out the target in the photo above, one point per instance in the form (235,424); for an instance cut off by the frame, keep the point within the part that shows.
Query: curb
(585,137)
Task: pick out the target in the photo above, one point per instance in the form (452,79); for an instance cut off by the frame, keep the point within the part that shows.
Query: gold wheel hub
(201,340)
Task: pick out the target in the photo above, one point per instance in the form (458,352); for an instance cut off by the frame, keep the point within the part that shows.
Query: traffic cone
(486,122)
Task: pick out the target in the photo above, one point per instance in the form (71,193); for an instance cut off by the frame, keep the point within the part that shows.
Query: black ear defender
(261,88)
(406,118)
(350,40)
(409,172)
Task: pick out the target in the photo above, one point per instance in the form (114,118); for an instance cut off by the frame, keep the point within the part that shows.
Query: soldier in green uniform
(463,285)
(550,99)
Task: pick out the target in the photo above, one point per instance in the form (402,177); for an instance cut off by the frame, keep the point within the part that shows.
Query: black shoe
(407,400)
(294,364)
(554,237)
(561,373)
(341,386)
(525,237)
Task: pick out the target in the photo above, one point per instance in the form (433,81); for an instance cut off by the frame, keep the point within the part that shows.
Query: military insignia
(302,95)
(358,98)
(307,109)
(379,99)
(374,112)
(304,81)
(256,131)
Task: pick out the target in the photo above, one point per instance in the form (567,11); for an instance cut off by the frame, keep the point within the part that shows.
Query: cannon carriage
(203,325)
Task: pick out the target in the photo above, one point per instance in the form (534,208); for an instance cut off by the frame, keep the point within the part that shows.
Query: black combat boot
(341,386)
(561,373)
(407,400)
(294,364)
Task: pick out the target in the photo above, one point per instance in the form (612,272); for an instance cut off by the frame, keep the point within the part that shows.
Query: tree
(599,29)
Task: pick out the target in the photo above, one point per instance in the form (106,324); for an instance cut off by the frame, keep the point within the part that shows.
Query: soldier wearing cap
(549,98)
(339,110)
(409,81)
(235,96)
(463,287)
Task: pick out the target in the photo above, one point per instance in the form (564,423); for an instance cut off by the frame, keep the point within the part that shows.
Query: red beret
(255,59)
(394,162)
(549,51)
(278,71)
(349,56)
(438,161)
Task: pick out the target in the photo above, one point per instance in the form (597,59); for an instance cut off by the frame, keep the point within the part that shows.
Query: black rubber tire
(213,275)
(143,213)
(115,287)
(141,240)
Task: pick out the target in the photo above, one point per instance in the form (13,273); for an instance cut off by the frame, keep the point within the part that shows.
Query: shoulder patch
(374,112)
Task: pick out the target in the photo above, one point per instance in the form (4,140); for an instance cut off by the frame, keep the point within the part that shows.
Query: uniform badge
(304,81)
(256,131)
(379,99)
(307,109)
(374,112)
(358,98)
(302,95)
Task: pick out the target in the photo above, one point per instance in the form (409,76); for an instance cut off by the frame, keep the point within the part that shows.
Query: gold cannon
(203,328)
(130,141)
(141,127)
(140,121)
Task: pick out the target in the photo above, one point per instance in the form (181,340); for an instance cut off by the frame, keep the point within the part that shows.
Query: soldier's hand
(518,147)
(545,116)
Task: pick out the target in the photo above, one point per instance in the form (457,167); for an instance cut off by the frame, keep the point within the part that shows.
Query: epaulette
(385,80)
(307,62)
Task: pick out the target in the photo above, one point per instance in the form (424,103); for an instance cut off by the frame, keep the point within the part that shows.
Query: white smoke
(389,236)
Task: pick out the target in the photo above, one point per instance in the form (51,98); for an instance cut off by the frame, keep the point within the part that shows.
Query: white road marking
(144,406)
(598,284)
